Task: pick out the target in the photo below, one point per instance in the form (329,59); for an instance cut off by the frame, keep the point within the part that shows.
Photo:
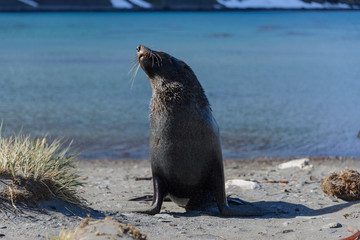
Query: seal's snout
(138,48)
(142,51)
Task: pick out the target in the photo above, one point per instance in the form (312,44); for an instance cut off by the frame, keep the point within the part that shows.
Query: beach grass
(108,228)
(34,169)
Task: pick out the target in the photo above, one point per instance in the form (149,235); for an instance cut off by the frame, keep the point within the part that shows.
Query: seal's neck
(175,95)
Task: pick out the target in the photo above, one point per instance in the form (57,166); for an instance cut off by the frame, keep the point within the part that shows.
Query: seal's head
(161,66)
(172,80)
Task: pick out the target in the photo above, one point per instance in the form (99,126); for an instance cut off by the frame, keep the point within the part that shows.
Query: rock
(282,196)
(330,230)
(352,229)
(312,178)
(302,163)
(286,223)
(333,199)
(242,184)
(163,216)
(332,225)
(308,218)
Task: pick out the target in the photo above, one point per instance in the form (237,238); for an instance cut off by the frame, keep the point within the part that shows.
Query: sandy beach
(301,209)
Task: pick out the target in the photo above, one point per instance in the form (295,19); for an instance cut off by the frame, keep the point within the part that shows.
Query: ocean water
(281,84)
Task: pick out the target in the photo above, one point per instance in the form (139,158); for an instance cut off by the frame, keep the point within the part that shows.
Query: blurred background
(90,5)
(281,83)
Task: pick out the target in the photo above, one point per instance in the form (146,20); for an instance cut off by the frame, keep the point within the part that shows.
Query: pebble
(352,229)
(332,225)
(129,214)
(164,220)
(286,223)
(312,217)
(163,215)
(282,196)
(333,199)
(330,230)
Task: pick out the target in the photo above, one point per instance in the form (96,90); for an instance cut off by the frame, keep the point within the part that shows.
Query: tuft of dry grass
(34,169)
(344,185)
(108,228)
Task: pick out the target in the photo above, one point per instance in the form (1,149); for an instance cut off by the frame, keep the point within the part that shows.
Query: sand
(301,209)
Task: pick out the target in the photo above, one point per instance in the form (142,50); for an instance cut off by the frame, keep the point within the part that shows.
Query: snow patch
(30,3)
(121,4)
(288,4)
(141,3)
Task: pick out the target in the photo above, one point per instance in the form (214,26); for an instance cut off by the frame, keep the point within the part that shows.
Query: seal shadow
(292,210)
(279,209)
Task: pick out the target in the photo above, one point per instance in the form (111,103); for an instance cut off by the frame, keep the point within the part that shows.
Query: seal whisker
(159,58)
(134,59)
(133,66)
(134,75)
(152,58)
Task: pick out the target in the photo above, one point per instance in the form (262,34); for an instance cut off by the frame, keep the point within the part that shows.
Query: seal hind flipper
(236,201)
(245,210)
(159,194)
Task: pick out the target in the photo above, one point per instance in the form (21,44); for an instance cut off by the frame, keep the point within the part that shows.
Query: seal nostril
(138,48)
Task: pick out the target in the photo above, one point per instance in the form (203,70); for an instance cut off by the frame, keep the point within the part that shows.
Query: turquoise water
(281,84)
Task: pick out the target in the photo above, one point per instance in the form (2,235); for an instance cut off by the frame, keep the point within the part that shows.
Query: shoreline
(303,210)
(226,160)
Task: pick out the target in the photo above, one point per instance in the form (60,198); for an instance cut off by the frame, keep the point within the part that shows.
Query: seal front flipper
(159,194)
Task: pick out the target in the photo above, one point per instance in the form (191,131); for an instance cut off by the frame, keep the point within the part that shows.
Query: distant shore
(111,9)
(174,5)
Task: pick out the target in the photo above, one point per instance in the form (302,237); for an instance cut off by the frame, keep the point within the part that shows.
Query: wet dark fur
(185,149)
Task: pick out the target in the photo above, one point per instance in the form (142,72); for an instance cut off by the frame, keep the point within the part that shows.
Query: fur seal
(185,150)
